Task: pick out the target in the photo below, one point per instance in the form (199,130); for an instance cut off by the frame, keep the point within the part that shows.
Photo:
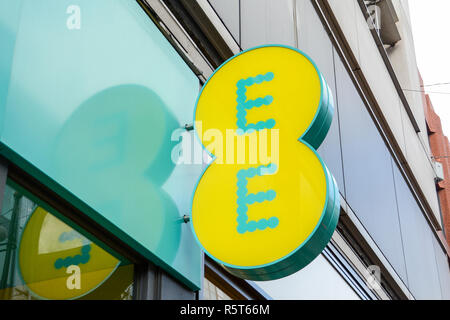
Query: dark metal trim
(368,257)
(153,283)
(208,29)
(175,44)
(343,267)
(202,32)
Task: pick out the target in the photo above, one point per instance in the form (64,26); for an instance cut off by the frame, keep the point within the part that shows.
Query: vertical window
(212,292)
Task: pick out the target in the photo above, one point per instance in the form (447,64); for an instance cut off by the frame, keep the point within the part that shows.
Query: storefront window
(212,292)
(42,257)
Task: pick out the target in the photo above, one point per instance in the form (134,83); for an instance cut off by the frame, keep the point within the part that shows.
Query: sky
(430,22)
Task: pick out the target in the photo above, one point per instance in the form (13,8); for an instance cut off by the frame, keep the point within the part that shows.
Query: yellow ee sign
(267,205)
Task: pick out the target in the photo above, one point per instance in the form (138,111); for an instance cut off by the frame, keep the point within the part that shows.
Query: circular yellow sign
(267,205)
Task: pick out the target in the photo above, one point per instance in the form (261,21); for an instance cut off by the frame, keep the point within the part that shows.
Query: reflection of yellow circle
(41,247)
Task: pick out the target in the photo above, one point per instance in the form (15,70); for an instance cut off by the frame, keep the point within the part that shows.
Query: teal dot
(84,258)
(241,201)
(241,113)
(59,263)
(251,198)
(252,225)
(261,195)
(241,125)
(268,99)
(241,228)
(271,194)
(242,210)
(241,100)
(241,174)
(262,224)
(241,91)
(259,102)
(68,261)
(251,172)
(269,76)
(242,219)
(270,123)
(86,249)
(273,222)
(248,105)
(241,193)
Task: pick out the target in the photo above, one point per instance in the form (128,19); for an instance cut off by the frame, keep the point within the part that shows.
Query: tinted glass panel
(267,22)
(417,242)
(368,173)
(443,269)
(41,257)
(228,11)
(314,41)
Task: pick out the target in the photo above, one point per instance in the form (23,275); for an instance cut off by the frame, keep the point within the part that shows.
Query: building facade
(97,100)
(439,148)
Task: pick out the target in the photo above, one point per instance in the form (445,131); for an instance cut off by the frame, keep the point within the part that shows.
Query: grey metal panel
(369,183)
(314,41)
(443,270)
(420,259)
(228,11)
(173,290)
(144,287)
(267,22)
